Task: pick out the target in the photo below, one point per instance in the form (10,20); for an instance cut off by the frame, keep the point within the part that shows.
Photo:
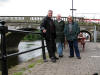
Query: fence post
(3,31)
(43,48)
(95,34)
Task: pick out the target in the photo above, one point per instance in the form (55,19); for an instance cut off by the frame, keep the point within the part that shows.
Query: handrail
(19,53)
(23,31)
(4,56)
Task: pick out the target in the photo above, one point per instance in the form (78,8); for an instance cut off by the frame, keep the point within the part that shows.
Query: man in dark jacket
(60,34)
(49,32)
(71,32)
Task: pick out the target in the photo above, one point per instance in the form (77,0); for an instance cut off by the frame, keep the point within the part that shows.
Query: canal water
(25,46)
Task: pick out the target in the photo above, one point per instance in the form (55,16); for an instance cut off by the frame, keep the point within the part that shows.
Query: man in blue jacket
(71,33)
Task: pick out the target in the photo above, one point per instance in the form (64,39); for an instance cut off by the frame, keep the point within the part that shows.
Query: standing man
(49,32)
(71,32)
(60,34)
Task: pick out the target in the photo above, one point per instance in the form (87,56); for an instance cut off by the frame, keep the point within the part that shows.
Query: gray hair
(50,11)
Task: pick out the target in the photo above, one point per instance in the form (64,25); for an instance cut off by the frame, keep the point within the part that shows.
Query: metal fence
(4,56)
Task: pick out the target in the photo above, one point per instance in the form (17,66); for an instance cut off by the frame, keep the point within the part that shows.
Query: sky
(85,8)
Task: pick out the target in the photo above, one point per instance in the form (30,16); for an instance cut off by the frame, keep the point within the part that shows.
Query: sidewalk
(89,64)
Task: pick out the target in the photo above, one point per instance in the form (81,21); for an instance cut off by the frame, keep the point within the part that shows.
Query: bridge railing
(22,19)
(4,56)
(37,19)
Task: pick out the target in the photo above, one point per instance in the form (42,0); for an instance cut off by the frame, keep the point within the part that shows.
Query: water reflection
(12,61)
(24,46)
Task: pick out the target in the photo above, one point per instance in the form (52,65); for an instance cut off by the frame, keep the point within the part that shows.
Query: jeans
(60,48)
(74,45)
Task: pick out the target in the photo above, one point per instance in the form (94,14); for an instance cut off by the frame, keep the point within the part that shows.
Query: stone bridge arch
(88,29)
(13,39)
(87,33)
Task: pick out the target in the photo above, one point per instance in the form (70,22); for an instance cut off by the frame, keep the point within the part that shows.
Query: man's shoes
(53,59)
(56,58)
(45,60)
(78,57)
(60,56)
(71,56)
(95,74)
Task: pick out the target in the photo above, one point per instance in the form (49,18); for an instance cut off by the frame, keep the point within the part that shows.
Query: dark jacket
(49,26)
(59,30)
(75,31)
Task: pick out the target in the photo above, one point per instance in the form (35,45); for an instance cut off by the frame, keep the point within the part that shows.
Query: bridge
(31,23)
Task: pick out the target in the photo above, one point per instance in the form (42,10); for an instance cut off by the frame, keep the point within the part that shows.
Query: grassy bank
(26,66)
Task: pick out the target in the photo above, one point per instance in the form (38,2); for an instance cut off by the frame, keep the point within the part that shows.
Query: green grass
(36,62)
(32,37)
(39,61)
(18,73)
(23,69)
(31,65)
(0,73)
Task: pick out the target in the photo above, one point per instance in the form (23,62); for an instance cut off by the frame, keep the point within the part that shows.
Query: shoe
(56,58)
(45,60)
(71,56)
(53,59)
(61,56)
(95,74)
(78,57)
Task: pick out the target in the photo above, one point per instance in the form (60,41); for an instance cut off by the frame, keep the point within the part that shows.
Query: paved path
(89,64)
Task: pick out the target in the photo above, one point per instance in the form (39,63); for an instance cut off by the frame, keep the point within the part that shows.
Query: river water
(24,46)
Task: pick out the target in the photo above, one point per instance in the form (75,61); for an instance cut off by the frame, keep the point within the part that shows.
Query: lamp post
(72,10)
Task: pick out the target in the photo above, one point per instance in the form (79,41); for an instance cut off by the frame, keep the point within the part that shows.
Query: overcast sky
(85,8)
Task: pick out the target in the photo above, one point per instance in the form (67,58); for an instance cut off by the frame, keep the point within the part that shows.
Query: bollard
(3,31)
(43,48)
(95,34)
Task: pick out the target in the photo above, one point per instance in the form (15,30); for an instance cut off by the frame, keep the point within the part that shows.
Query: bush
(32,37)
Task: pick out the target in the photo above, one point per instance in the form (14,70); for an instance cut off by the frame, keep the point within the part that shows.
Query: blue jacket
(75,31)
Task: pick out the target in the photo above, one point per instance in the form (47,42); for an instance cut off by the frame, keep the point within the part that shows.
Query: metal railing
(4,56)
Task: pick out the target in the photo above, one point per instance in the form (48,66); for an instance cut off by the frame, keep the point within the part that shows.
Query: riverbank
(22,67)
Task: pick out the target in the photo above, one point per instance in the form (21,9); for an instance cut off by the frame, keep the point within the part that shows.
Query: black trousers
(51,47)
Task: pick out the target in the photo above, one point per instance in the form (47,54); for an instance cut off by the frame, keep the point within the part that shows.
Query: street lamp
(72,9)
